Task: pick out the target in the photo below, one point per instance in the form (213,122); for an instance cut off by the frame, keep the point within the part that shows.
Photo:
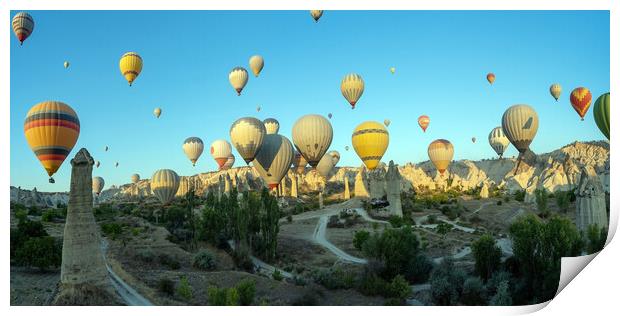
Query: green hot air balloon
(601,114)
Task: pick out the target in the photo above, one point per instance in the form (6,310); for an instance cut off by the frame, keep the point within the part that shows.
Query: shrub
(277,275)
(398,289)
(502,296)
(446,283)
(488,256)
(360,237)
(474,292)
(596,237)
(541,202)
(145,255)
(431,219)
(444,228)
(41,252)
(519,195)
(223,296)
(31,229)
(21,215)
(166,286)
(112,230)
(247,290)
(396,221)
(562,198)
(204,260)
(372,285)
(334,278)
(308,299)
(184,290)
(499,202)
(289,218)
(169,261)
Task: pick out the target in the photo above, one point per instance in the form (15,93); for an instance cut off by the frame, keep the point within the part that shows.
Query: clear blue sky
(441,61)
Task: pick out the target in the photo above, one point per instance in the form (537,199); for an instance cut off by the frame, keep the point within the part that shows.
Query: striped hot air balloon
(98,184)
(274,159)
(423,121)
(441,152)
(352,88)
(165,184)
(555,90)
(23,25)
(370,141)
(238,78)
(193,148)
(601,114)
(272,126)
(580,99)
(312,136)
(256,64)
(51,129)
(316,14)
(131,66)
(221,152)
(299,162)
(247,134)
(135,178)
(325,166)
(498,141)
(520,124)
(491,77)
(229,162)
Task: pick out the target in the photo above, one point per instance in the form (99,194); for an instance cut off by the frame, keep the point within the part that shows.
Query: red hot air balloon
(580,99)
(423,121)
(491,77)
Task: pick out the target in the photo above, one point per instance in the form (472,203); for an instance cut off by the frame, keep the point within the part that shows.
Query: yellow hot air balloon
(165,184)
(51,129)
(555,90)
(370,141)
(221,152)
(247,134)
(66,64)
(272,126)
(352,88)
(498,141)
(325,166)
(238,78)
(440,152)
(131,66)
(392,70)
(98,184)
(274,159)
(193,148)
(135,178)
(316,14)
(23,25)
(157,112)
(520,124)
(256,64)
(299,162)
(312,135)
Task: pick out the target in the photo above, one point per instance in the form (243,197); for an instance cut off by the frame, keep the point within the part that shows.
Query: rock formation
(294,186)
(347,193)
(484,191)
(392,185)
(320,200)
(283,187)
(376,183)
(591,205)
(360,189)
(227,185)
(82,259)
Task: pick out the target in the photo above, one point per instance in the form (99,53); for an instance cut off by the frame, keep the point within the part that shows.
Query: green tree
(360,237)
(474,292)
(488,256)
(502,295)
(41,252)
(541,202)
(562,198)
(446,283)
(184,290)
(597,237)
(247,290)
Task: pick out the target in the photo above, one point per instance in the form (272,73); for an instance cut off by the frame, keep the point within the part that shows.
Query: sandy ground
(32,287)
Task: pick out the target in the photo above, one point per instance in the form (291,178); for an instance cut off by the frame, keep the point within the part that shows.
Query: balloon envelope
(66,64)
(221,151)
(352,88)
(601,114)
(135,178)
(580,99)
(193,148)
(520,124)
(325,166)
(98,184)
(555,90)
(272,126)
(247,134)
(238,78)
(498,141)
(491,77)
(131,66)
(229,162)
(423,121)
(157,112)
(316,14)
(312,136)
(23,25)
(165,184)
(274,159)
(441,152)
(256,64)
(370,141)
(299,163)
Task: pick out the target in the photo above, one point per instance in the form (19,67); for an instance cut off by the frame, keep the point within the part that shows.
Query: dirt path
(124,290)
(319,238)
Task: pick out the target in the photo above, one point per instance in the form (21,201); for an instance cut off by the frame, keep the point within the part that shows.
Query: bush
(396,221)
(541,202)
(596,237)
(360,237)
(184,290)
(277,275)
(169,261)
(502,296)
(223,296)
(247,290)
(444,228)
(499,202)
(145,255)
(21,215)
(112,230)
(40,252)
(520,195)
(31,229)
(562,198)
(166,286)
(474,292)
(398,289)
(204,260)
(507,198)
(488,256)
(334,278)
(372,285)
(446,283)
(308,299)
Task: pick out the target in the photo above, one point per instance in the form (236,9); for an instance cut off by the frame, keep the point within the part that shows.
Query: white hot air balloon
(193,148)
(98,185)
(165,184)
(312,136)
(221,152)
(157,112)
(272,126)
(335,156)
(520,124)
(256,64)
(247,134)
(498,141)
(135,178)
(238,78)
(274,159)
(325,166)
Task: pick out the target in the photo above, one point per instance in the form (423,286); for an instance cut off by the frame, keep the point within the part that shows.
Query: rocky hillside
(557,170)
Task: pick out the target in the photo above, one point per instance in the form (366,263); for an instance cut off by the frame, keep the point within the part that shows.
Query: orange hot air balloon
(423,121)
(491,77)
(580,99)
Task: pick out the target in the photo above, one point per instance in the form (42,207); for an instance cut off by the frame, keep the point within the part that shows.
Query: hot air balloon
(555,90)
(312,135)
(491,77)
(98,184)
(135,178)
(247,134)
(66,64)
(580,99)
(165,184)
(256,64)
(370,141)
(97,164)
(131,66)
(157,112)
(258,108)
(221,152)
(601,113)
(473,140)
(346,148)
(329,115)
(316,14)
(105,148)
(352,87)
(520,124)
(440,152)
(387,122)
(299,162)
(193,147)
(23,25)
(423,121)
(238,78)
(335,156)
(274,159)
(272,126)
(498,141)
(116,165)
(325,166)
(51,129)
(229,162)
